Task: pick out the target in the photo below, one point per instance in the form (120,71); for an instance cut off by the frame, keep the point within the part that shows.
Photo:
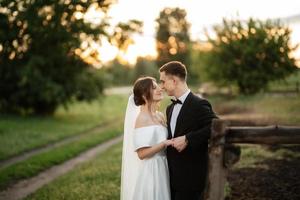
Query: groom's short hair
(174,68)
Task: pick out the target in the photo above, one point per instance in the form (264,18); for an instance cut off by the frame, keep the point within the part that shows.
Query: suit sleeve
(205,115)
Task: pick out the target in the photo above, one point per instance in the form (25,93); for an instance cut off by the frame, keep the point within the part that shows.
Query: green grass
(290,83)
(42,161)
(98,179)
(253,154)
(283,110)
(28,132)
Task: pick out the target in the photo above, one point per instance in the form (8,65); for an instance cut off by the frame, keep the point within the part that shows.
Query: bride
(145,174)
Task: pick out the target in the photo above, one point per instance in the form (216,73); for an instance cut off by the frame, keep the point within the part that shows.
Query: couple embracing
(165,158)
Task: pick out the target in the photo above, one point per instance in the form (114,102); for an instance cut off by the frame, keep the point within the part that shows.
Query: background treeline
(48,55)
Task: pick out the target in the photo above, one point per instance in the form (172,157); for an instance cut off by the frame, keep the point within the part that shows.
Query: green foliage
(290,83)
(41,45)
(122,36)
(145,67)
(117,74)
(250,54)
(172,37)
(199,63)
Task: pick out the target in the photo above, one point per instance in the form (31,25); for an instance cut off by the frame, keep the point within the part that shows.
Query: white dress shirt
(176,110)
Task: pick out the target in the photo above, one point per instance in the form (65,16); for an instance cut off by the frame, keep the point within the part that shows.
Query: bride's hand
(168,142)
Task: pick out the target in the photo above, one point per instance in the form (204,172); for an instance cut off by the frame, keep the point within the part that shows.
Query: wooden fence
(223,154)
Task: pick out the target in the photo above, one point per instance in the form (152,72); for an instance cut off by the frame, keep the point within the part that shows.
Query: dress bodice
(149,135)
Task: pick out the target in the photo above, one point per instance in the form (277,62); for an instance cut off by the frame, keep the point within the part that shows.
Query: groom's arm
(205,115)
(197,137)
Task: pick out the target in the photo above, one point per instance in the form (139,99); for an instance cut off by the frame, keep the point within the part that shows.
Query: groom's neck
(181,89)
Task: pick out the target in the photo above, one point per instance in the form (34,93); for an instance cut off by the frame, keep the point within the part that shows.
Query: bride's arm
(147,152)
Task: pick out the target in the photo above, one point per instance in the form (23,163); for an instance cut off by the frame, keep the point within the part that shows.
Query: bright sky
(199,13)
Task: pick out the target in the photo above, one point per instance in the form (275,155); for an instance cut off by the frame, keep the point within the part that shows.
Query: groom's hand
(180,143)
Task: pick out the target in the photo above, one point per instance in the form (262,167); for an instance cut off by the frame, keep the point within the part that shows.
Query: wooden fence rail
(222,154)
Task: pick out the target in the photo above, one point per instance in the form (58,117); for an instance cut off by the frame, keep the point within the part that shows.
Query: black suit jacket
(188,169)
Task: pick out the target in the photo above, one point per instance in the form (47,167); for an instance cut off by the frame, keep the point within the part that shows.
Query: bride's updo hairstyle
(142,90)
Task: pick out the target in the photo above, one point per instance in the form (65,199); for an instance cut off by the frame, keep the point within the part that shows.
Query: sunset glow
(200,15)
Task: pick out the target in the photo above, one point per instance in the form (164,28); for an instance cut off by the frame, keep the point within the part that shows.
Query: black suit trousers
(186,195)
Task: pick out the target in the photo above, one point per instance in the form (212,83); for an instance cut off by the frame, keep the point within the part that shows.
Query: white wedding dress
(146,179)
(153,175)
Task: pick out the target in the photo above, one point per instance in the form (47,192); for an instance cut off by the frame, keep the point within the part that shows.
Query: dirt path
(30,153)
(23,188)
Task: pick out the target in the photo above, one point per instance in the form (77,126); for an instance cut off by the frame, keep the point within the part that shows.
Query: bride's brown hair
(142,90)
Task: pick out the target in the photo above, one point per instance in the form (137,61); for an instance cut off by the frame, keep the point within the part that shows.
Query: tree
(145,67)
(250,54)
(45,48)
(117,73)
(172,37)
(122,37)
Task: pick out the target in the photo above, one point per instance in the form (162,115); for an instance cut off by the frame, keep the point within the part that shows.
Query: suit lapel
(182,112)
(169,120)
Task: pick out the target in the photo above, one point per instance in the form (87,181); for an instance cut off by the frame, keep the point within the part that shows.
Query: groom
(189,119)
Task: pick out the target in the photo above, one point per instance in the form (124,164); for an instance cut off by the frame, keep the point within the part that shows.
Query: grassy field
(279,109)
(25,133)
(252,154)
(290,83)
(98,179)
(35,164)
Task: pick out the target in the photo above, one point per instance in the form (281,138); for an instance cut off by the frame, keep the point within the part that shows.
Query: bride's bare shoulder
(142,120)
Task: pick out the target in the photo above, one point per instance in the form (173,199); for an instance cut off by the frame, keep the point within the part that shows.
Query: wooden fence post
(222,156)
(217,173)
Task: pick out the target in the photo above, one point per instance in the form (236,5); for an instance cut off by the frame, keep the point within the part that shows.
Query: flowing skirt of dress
(153,179)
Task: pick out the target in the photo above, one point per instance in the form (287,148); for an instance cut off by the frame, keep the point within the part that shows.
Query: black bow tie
(176,101)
